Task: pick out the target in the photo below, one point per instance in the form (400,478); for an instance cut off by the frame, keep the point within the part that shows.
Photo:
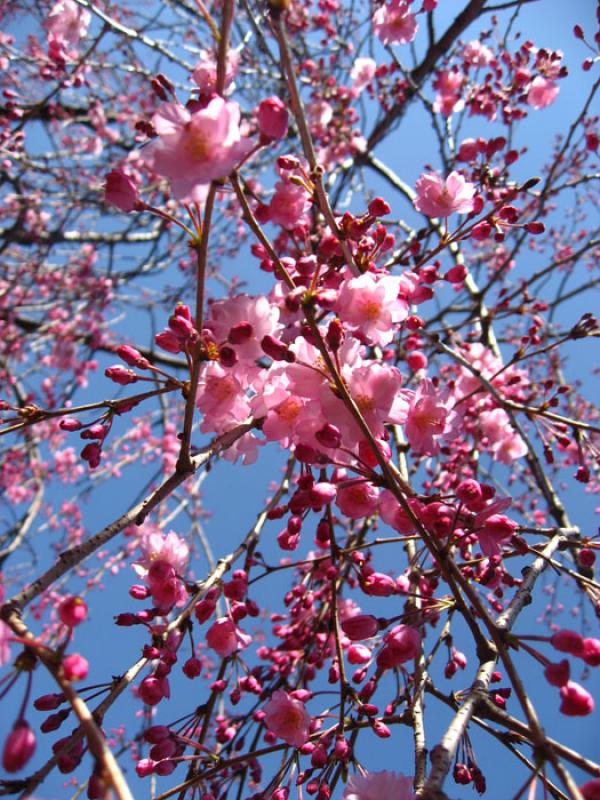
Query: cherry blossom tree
(322,242)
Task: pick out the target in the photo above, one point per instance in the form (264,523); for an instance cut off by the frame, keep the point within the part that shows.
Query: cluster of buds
(181,334)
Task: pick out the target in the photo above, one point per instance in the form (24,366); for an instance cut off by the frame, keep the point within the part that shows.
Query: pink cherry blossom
(394,23)
(504,442)
(401,644)
(195,148)
(371,305)
(225,638)
(287,718)
(379,786)
(362,73)
(156,546)
(288,205)
(477,54)
(542,92)
(448,100)
(437,197)
(357,500)
(204,74)
(430,418)
(67,22)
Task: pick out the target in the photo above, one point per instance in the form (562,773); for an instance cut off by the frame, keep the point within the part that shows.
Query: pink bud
(456,274)
(167,340)
(19,747)
(469,492)
(276,349)
(402,644)
(69,424)
(192,668)
(361,626)
(92,453)
(48,702)
(322,493)
(75,667)
(359,654)
(121,375)
(72,611)
(568,642)
(535,228)
(381,729)
(132,357)
(121,191)
(576,701)
(343,751)
(586,557)
(240,333)
(591,652)
(272,118)
(151,690)
(156,734)
(591,789)
(329,436)
(379,585)
(558,674)
(417,361)
(145,767)
(378,207)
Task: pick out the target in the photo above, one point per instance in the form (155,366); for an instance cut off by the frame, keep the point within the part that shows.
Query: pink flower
(357,500)
(575,700)
(156,546)
(378,786)
(19,747)
(401,644)
(225,638)
(205,71)
(371,305)
(272,118)
(287,718)
(448,84)
(288,205)
(439,198)
(497,530)
(504,442)
(67,23)
(393,23)
(542,92)
(477,54)
(362,73)
(197,147)
(430,418)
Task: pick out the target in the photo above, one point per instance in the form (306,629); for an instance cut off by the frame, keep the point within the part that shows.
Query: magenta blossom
(287,718)
(437,197)
(225,638)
